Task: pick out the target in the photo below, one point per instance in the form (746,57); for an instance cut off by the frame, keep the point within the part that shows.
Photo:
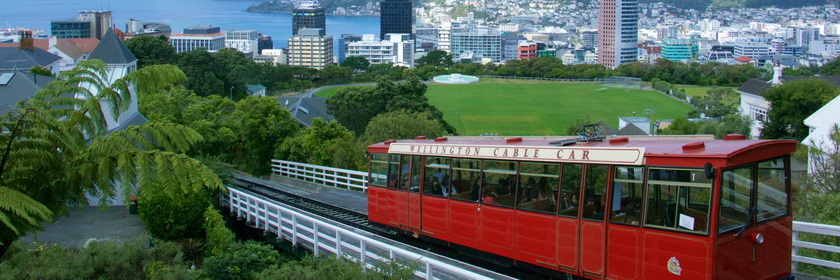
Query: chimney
(26,41)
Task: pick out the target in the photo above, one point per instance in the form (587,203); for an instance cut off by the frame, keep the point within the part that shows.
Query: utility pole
(231,93)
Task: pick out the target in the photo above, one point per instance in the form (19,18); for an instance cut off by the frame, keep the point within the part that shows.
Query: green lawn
(695,91)
(516,107)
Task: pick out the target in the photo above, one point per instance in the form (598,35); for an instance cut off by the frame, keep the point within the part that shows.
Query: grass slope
(518,107)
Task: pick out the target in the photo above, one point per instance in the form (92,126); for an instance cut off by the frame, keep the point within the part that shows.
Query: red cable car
(625,208)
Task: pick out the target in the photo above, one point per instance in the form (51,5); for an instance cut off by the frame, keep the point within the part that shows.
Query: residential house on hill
(18,85)
(305,109)
(25,56)
(821,124)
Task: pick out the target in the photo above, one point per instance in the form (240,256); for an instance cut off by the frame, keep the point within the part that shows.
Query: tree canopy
(435,58)
(56,149)
(401,124)
(791,103)
(151,50)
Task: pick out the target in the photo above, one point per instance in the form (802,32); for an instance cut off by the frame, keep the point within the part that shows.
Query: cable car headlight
(758,238)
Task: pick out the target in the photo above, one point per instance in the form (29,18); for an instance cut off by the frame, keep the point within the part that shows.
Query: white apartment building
(750,48)
(396,48)
(310,48)
(199,37)
(243,40)
(483,42)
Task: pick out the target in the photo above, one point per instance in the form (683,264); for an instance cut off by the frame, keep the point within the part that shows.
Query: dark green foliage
(681,126)
(98,260)
(317,268)
(262,125)
(401,125)
(355,107)
(730,124)
(241,261)
(693,73)
(174,217)
(324,143)
(719,102)
(151,50)
(792,102)
(333,74)
(435,58)
(40,70)
(733,124)
(357,63)
(218,236)
(548,67)
(203,72)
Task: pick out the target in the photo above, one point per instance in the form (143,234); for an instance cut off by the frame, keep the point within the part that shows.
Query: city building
(527,50)
(309,14)
(427,34)
(70,28)
(482,42)
(803,35)
(136,28)
(16,86)
(343,41)
(310,48)
(264,42)
(618,32)
(396,48)
(100,22)
(209,38)
(246,41)
(396,16)
(680,50)
(590,38)
(751,48)
(274,56)
(445,35)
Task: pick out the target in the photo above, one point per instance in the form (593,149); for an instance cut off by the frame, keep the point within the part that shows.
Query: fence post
(794,252)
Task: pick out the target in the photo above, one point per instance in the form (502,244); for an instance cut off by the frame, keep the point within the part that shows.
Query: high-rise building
(264,42)
(751,48)
(527,50)
(136,28)
(308,15)
(445,35)
(200,37)
(618,32)
(243,40)
(310,48)
(100,22)
(396,16)
(343,41)
(482,42)
(805,34)
(680,50)
(70,28)
(590,38)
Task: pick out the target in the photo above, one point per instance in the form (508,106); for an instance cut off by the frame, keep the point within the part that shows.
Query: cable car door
(414,203)
(592,227)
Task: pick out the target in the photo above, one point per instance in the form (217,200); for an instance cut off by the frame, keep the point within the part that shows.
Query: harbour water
(230,15)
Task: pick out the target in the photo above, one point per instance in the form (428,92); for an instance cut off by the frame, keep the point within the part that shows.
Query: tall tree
(354,107)
(401,125)
(323,143)
(719,102)
(56,151)
(791,103)
(151,50)
(263,125)
(357,63)
(436,58)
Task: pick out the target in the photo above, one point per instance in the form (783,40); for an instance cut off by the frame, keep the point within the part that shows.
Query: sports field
(695,91)
(516,107)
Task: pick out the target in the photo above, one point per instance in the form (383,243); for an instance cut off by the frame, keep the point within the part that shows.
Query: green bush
(316,268)
(241,261)
(158,270)
(174,217)
(98,260)
(218,237)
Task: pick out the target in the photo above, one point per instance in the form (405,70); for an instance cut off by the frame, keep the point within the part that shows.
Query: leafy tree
(435,58)
(236,71)
(40,70)
(356,63)
(320,267)
(262,126)
(831,68)
(55,150)
(241,261)
(733,124)
(176,216)
(218,237)
(203,73)
(719,102)
(323,143)
(333,74)
(151,50)
(354,107)
(791,103)
(401,125)
(681,126)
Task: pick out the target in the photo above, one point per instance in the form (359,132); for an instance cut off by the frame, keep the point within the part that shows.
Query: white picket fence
(323,236)
(800,227)
(328,176)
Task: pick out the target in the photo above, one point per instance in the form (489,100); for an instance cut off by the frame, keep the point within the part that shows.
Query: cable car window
(437,176)
(570,189)
(595,195)
(772,196)
(735,199)
(627,196)
(393,171)
(466,179)
(538,184)
(499,183)
(404,172)
(680,200)
(378,170)
(416,166)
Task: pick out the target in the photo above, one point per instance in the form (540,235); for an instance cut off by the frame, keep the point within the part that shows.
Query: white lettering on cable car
(604,155)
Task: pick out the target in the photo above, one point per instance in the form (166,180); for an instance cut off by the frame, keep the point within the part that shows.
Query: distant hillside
(724,4)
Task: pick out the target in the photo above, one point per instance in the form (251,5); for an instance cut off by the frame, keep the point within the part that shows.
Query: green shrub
(316,268)
(158,270)
(98,260)
(218,236)
(241,261)
(174,217)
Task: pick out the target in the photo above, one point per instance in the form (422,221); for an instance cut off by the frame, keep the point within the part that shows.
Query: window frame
(478,170)
(447,174)
(754,195)
(642,184)
(607,188)
(370,169)
(543,175)
(751,211)
(498,171)
(679,185)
